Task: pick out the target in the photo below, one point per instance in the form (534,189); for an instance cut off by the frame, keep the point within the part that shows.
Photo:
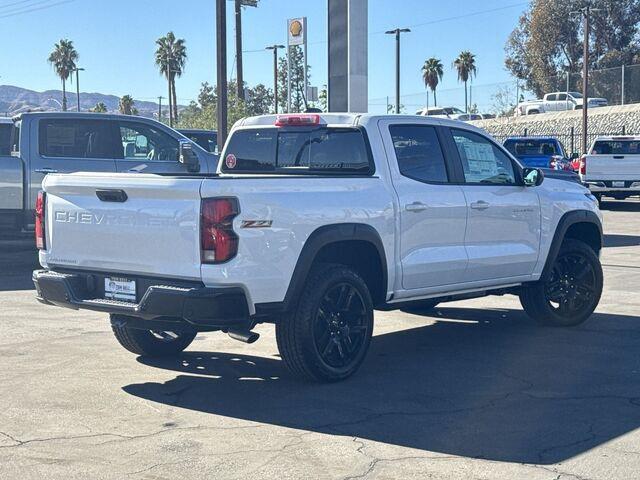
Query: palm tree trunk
(466,103)
(64,96)
(435,99)
(175,100)
(169,100)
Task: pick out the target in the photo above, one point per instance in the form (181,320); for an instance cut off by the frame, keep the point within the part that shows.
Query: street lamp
(397,33)
(77,70)
(275,71)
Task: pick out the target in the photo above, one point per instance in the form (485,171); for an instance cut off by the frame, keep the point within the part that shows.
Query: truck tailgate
(613,167)
(153,229)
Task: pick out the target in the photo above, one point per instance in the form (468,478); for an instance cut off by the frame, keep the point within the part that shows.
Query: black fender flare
(322,237)
(566,221)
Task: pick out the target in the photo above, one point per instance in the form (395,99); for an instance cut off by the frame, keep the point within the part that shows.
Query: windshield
(5,138)
(575,94)
(521,148)
(452,110)
(207,140)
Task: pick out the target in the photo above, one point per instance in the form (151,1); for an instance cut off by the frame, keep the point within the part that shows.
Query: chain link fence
(619,86)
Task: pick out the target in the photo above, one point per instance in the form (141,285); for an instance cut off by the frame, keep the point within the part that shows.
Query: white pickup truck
(558,102)
(612,167)
(311,223)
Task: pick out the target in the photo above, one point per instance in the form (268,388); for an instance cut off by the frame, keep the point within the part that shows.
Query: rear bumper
(191,302)
(631,187)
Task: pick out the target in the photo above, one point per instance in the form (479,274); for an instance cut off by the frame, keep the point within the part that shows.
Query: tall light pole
(397,33)
(275,71)
(585,12)
(221,63)
(77,70)
(160,97)
(238,10)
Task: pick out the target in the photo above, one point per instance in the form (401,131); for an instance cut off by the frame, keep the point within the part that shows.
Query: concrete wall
(602,121)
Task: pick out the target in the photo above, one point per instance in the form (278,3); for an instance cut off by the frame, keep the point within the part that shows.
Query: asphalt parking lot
(474,390)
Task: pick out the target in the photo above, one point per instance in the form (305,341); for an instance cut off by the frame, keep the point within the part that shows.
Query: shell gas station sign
(296,31)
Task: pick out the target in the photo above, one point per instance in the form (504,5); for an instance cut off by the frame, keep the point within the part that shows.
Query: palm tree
(432,72)
(63,59)
(99,108)
(171,56)
(126,105)
(465,64)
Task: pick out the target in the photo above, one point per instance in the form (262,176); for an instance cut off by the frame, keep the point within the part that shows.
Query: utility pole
(160,108)
(221,61)
(238,10)
(397,33)
(585,12)
(275,71)
(77,70)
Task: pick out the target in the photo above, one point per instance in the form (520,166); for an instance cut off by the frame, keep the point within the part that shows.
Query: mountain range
(14,100)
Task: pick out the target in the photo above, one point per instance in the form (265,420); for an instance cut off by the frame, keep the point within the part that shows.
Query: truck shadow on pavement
(476,383)
(18,259)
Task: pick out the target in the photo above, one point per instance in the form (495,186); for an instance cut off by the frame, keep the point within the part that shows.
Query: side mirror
(532,177)
(188,157)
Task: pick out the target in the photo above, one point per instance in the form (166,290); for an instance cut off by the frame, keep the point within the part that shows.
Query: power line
(431,22)
(7,5)
(29,9)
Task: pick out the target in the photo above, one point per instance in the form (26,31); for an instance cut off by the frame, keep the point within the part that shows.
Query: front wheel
(571,291)
(327,336)
(150,343)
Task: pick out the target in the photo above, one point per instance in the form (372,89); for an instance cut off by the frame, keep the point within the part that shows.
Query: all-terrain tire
(575,285)
(149,343)
(327,336)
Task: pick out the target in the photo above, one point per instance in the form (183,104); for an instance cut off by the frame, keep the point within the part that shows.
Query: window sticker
(231,161)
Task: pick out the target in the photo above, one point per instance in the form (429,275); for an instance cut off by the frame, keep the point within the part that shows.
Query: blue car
(539,152)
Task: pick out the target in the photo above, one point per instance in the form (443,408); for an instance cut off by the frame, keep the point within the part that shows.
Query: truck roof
(617,138)
(354,119)
(97,116)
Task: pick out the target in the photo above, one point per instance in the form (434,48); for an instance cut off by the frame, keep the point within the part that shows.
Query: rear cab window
(298,151)
(521,148)
(616,147)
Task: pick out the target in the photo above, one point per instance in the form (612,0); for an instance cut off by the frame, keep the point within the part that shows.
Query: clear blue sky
(115,39)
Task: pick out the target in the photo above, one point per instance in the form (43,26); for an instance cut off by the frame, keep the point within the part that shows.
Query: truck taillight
(583,165)
(40,214)
(218,241)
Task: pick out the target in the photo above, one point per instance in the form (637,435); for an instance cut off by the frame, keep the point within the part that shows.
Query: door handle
(416,207)
(46,170)
(481,205)
(618,157)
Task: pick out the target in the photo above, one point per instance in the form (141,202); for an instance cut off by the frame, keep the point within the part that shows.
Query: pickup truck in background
(539,152)
(557,102)
(311,222)
(612,167)
(42,143)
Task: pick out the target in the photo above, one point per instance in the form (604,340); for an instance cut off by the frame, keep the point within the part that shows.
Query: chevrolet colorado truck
(35,144)
(311,222)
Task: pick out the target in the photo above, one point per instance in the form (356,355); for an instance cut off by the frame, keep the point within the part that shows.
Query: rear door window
(298,151)
(418,153)
(76,138)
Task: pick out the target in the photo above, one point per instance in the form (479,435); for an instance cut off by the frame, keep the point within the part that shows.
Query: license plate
(120,289)
(617,184)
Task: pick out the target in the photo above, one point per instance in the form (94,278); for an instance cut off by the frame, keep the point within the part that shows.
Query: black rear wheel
(327,337)
(150,343)
(572,290)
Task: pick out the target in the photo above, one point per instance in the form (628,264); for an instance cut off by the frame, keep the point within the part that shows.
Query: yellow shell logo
(295,28)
